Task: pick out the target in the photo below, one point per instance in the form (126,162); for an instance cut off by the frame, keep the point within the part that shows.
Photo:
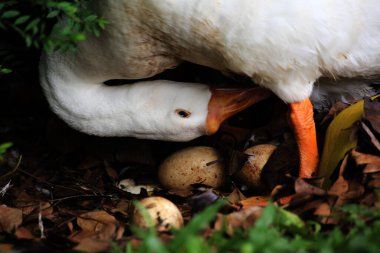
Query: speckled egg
(164,214)
(250,174)
(192,165)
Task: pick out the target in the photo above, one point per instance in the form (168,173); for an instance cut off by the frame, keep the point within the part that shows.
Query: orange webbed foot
(302,121)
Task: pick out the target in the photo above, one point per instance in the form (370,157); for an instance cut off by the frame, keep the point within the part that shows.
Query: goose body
(284,46)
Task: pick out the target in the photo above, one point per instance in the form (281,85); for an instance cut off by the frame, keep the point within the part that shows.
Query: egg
(192,165)
(163,213)
(250,174)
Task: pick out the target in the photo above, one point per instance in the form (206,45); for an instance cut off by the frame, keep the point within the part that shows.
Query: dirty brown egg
(164,214)
(250,174)
(192,165)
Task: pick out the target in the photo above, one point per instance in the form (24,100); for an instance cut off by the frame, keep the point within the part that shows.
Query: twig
(40,223)
(374,140)
(14,169)
(5,188)
(56,201)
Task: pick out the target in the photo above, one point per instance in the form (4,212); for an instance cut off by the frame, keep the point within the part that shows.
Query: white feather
(284,45)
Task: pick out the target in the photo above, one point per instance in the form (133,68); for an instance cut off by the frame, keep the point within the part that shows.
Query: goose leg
(302,121)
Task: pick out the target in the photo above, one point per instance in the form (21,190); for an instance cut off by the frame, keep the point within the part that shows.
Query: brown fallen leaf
(305,205)
(24,233)
(304,188)
(104,224)
(124,207)
(323,209)
(369,200)
(10,218)
(254,201)
(324,212)
(88,241)
(374,182)
(235,196)
(355,190)
(371,162)
(340,186)
(111,172)
(362,159)
(371,135)
(6,247)
(349,186)
(33,209)
(334,110)
(372,113)
(240,219)
(371,168)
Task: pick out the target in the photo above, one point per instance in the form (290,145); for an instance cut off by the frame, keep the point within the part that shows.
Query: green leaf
(33,25)
(22,19)
(65,30)
(79,36)
(10,14)
(5,71)
(67,7)
(4,147)
(96,32)
(102,23)
(28,41)
(196,224)
(289,219)
(36,44)
(53,14)
(339,139)
(90,18)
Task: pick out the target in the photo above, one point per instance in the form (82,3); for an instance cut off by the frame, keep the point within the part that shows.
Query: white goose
(283,45)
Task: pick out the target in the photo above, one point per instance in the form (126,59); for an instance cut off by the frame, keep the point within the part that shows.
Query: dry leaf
(88,241)
(92,245)
(323,209)
(307,205)
(304,188)
(374,183)
(241,219)
(372,113)
(111,172)
(10,218)
(124,207)
(339,139)
(254,201)
(6,247)
(371,135)
(369,200)
(355,191)
(98,221)
(371,168)
(24,233)
(334,110)
(350,188)
(341,185)
(362,158)
(235,196)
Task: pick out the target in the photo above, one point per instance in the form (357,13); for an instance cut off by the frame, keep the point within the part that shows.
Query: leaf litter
(82,198)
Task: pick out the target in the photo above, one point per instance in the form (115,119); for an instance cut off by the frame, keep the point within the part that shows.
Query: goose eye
(183,113)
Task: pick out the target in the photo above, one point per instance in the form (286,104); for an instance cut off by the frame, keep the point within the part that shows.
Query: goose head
(167,110)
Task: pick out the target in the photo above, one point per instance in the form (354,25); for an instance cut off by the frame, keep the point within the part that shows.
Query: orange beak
(226,102)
